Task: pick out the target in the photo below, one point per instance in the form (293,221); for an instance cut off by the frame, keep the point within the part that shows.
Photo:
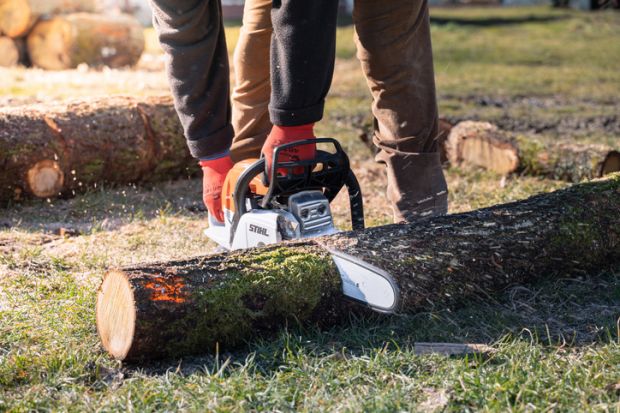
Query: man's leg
(394,47)
(192,36)
(250,115)
(303,48)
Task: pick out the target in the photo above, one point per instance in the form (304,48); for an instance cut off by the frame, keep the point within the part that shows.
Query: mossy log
(51,150)
(484,145)
(567,161)
(187,306)
(11,51)
(18,16)
(65,41)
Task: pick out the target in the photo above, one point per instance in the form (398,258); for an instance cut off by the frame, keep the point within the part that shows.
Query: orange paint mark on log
(168,289)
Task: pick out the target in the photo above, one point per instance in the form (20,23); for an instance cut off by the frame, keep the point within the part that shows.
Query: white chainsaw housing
(255,229)
(258,227)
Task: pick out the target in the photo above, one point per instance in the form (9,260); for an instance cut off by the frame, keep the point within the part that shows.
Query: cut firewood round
(45,179)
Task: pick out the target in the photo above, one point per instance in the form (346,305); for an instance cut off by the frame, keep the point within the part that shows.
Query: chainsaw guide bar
(365,283)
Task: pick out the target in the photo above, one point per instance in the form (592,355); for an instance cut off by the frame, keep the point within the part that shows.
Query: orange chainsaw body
(228,190)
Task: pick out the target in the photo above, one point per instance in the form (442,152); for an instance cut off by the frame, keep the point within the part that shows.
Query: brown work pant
(394,48)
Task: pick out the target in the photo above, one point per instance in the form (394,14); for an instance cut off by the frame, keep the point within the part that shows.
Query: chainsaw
(291,202)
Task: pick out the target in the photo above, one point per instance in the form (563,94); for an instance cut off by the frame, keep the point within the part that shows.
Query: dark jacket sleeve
(192,36)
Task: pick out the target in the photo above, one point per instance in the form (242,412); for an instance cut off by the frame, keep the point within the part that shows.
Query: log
(10,52)
(51,150)
(64,42)
(567,161)
(484,145)
(170,309)
(18,16)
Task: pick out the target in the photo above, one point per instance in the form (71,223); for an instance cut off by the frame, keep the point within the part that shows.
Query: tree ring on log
(45,178)
(611,163)
(116,314)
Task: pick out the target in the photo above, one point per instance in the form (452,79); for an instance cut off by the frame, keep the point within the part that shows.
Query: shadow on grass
(107,207)
(563,312)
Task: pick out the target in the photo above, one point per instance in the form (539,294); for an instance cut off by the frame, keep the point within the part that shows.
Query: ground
(552,74)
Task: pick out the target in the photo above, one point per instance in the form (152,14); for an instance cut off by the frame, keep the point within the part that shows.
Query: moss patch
(260,290)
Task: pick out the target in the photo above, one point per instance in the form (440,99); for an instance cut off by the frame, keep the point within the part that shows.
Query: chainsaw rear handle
(329,178)
(308,164)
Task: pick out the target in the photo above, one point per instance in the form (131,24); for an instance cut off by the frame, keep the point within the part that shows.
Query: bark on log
(568,161)
(64,42)
(18,16)
(10,53)
(485,145)
(183,307)
(58,150)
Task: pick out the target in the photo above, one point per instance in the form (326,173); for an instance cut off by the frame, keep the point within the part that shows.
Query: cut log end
(45,179)
(9,52)
(47,44)
(483,145)
(502,159)
(116,314)
(15,17)
(611,163)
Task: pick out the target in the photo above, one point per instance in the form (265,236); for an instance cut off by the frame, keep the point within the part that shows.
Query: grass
(557,343)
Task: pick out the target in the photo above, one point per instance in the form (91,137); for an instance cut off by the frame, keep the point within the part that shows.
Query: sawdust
(436,400)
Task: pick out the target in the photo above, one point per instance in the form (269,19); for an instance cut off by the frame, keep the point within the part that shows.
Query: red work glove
(214,172)
(281,135)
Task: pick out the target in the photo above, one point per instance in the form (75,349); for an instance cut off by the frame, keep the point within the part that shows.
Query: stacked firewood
(61,34)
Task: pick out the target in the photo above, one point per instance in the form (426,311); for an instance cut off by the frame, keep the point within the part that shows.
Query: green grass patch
(539,71)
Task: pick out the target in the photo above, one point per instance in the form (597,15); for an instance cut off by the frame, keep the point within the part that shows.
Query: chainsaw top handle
(327,172)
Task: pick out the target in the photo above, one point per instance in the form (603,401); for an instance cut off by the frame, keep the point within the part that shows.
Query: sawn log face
(186,306)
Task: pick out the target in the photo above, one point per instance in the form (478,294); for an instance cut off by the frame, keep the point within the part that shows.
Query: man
(393,42)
